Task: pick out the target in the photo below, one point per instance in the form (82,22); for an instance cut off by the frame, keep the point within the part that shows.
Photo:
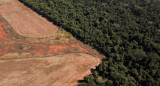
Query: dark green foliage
(126,31)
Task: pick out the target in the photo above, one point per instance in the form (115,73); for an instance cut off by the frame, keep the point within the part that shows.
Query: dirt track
(34,52)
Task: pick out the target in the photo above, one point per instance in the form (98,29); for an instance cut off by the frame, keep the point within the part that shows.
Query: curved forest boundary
(126,31)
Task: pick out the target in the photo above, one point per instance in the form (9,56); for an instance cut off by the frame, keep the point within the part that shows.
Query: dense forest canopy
(127,32)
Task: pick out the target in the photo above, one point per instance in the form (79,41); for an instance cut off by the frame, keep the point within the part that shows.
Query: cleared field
(34,52)
(24,21)
(60,70)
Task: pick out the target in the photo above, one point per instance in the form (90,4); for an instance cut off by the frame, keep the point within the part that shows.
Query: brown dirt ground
(60,70)
(34,52)
(24,21)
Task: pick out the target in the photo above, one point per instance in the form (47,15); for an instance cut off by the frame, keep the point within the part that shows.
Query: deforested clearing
(35,52)
(60,70)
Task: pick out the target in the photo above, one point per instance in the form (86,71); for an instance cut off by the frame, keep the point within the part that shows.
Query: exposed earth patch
(35,52)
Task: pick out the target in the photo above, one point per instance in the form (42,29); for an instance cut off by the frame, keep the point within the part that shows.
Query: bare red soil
(3,37)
